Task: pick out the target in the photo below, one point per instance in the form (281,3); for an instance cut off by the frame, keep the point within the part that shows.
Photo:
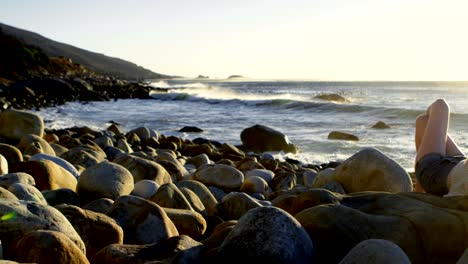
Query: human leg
(432,137)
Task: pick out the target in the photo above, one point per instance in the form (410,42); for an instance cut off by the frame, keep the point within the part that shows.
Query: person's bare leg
(434,137)
(451,148)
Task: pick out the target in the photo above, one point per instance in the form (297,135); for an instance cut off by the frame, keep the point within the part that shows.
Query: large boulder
(270,234)
(142,221)
(260,139)
(22,217)
(416,222)
(371,170)
(104,180)
(47,174)
(27,192)
(15,124)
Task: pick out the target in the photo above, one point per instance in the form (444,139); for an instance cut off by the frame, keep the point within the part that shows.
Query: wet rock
(337,135)
(260,139)
(331,97)
(190,129)
(380,125)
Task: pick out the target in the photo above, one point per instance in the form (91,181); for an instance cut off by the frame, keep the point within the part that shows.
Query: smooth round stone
(48,246)
(142,221)
(372,170)
(334,186)
(59,149)
(255,184)
(145,189)
(3,165)
(187,222)
(199,160)
(27,192)
(144,133)
(59,161)
(168,195)
(308,178)
(84,156)
(267,175)
(61,196)
(143,169)
(11,153)
(194,201)
(14,124)
(270,234)
(32,144)
(104,180)
(96,229)
(47,174)
(6,194)
(236,204)
(104,141)
(217,192)
(102,205)
(22,217)
(324,176)
(220,175)
(206,196)
(123,145)
(16,177)
(376,251)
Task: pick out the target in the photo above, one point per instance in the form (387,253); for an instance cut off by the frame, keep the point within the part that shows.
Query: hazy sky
(307,39)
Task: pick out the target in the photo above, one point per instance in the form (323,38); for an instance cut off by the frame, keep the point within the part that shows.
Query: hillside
(97,62)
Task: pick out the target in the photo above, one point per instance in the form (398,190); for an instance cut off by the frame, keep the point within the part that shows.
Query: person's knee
(440,105)
(421,120)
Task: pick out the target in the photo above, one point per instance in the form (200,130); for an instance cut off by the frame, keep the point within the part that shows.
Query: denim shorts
(432,172)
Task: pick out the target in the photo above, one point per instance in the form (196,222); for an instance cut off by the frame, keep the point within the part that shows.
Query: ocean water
(223,108)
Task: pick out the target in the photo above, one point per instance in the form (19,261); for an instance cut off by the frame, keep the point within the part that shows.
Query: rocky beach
(79,195)
(83,195)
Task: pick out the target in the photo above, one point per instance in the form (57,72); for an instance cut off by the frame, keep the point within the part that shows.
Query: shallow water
(224,108)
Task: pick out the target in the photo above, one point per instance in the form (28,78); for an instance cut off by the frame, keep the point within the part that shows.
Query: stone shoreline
(79,195)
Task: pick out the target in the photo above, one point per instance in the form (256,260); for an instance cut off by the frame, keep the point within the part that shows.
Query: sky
(388,40)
